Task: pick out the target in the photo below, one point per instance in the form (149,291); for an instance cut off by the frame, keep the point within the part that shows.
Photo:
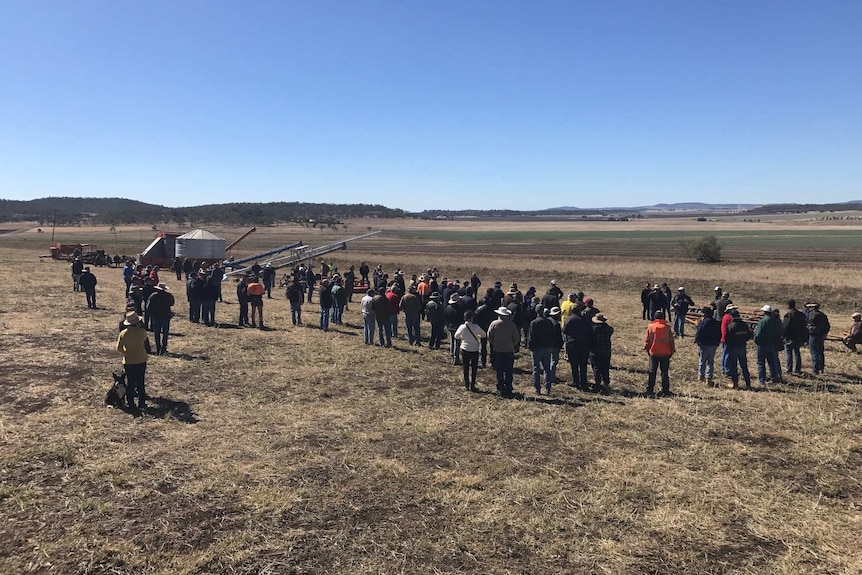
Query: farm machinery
(749,315)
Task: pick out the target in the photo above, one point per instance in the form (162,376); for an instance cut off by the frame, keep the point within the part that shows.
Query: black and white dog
(117,394)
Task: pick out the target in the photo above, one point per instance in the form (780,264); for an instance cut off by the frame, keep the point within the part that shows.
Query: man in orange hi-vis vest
(658,343)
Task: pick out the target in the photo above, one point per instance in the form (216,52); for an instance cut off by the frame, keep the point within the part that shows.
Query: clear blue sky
(427,105)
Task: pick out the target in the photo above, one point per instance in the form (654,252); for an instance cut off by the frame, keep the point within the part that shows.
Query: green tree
(706,249)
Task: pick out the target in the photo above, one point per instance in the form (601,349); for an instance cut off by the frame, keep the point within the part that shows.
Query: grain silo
(200,245)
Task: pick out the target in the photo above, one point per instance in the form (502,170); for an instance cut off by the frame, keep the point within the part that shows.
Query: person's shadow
(162,407)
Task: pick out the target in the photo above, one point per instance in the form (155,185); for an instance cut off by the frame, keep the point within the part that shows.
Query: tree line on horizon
(117,211)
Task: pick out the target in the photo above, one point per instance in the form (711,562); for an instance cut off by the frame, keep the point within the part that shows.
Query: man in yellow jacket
(658,343)
(132,343)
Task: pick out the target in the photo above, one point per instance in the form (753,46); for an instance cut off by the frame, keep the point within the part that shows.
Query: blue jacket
(708,332)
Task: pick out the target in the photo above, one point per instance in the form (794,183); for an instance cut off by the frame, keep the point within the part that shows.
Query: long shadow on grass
(162,407)
(187,356)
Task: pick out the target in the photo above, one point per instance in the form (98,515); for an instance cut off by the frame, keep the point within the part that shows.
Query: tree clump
(706,249)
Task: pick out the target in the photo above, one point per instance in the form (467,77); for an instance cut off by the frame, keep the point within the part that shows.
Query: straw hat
(131,318)
(599,318)
(556,311)
(501,311)
(454,298)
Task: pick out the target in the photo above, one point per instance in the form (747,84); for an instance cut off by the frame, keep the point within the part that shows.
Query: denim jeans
(738,361)
(393,322)
(679,324)
(324,318)
(411,321)
(384,328)
(555,361)
(705,360)
(369,322)
(337,314)
(724,368)
(792,356)
(161,328)
(453,348)
(818,359)
(267,285)
(296,314)
(765,358)
(542,364)
(504,365)
(470,359)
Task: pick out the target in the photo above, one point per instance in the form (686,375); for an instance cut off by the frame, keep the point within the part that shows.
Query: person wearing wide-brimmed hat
(737,335)
(707,336)
(454,316)
(132,343)
(681,303)
(87,281)
(504,339)
(540,340)
(159,307)
(818,329)
(854,336)
(600,352)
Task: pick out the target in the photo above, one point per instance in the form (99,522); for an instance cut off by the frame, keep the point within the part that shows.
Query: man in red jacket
(659,344)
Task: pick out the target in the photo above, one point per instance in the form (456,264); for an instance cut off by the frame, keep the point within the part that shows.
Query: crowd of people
(482,324)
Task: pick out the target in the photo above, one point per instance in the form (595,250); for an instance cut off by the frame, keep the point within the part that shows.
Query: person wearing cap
(393,297)
(504,340)
(159,307)
(707,336)
(854,336)
(380,305)
(680,303)
(87,282)
(571,305)
(577,332)
(768,341)
(659,345)
(721,304)
(657,301)
(540,340)
(795,334)
(725,321)
(434,313)
(470,335)
(818,329)
(717,291)
(738,334)
(589,311)
(268,279)
(368,320)
(552,296)
(600,352)
(454,316)
(411,305)
(132,343)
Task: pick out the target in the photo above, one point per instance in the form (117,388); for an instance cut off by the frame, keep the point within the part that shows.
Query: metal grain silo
(200,245)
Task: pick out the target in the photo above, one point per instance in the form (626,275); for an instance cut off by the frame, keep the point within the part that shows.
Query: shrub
(706,249)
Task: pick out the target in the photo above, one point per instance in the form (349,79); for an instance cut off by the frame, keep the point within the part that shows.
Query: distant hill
(113,211)
(802,208)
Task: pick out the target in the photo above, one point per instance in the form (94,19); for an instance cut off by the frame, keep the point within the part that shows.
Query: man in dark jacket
(294,295)
(268,279)
(818,329)
(159,307)
(454,317)
(324,295)
(77,270)
(707,336)
(721,304)
(551,299)
(577,332)
(177,267)
(209,297)
(483,316)
(657,301)
(380,305)
(738,334)
(88,283)
(767,338)
(645,301)
(242,299)
(434,315)
(795,335)
(194,292)
(600,352)
(541,340)
(411,305)
(680,303)
(310,278)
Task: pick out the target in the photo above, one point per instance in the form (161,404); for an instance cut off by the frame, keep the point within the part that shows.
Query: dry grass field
(296,451)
